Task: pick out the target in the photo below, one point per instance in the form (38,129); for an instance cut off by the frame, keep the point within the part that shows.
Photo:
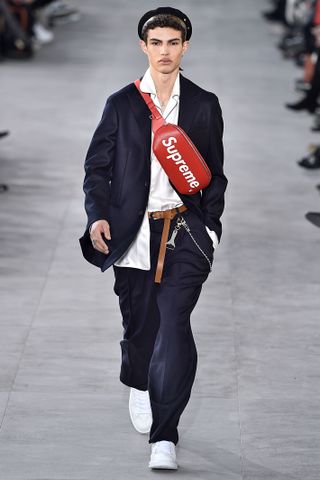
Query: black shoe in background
(276,15)
(314,218)
(4,133)
(302,105)
(273,16)
(312,162)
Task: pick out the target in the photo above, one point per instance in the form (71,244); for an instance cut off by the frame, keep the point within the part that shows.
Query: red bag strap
(157,118)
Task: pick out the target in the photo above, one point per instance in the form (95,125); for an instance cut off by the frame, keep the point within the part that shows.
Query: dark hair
(164,20)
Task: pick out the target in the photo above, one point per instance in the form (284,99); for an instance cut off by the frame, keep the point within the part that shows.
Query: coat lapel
(142,116)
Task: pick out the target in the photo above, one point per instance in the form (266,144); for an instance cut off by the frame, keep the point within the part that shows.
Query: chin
(167,68)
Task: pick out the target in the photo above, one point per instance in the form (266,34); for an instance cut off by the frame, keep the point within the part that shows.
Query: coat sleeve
(212,200)
(98,166)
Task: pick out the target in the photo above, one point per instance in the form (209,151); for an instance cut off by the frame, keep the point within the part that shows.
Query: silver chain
(181,222)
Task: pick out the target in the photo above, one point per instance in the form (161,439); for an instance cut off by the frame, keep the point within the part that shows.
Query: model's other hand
(96,230)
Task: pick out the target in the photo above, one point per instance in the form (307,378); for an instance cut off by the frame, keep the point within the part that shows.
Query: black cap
(165,11)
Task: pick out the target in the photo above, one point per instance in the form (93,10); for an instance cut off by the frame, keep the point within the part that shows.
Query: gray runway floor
(254,410)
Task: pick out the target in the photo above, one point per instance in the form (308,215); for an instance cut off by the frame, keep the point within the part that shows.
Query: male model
(130,201)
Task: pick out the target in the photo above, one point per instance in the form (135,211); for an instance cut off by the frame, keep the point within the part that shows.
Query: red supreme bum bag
(176,153)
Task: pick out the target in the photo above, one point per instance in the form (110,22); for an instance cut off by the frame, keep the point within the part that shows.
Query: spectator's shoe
(314,218)
(59,12)
(140,410)
(163,455)
(3,188)
(312,162)
(42,34)
(4,133)
(273,16)
(302,105)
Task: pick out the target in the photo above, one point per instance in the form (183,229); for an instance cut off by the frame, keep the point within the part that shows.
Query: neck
(164,82)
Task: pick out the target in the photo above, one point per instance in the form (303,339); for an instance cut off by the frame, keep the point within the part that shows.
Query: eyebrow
(157,40)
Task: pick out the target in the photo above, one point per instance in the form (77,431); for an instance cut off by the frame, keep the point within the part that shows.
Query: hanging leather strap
(157,118)
(167,215)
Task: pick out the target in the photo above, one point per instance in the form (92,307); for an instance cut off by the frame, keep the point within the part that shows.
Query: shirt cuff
(214,237)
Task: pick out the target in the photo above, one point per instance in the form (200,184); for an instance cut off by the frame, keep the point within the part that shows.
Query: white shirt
(161,195)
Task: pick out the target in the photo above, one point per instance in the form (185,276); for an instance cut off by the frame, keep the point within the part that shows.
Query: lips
(165,62)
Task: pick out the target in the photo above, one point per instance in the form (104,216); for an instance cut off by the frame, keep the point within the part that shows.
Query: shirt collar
(147,85)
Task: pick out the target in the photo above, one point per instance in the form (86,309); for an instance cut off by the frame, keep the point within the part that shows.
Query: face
(164,49)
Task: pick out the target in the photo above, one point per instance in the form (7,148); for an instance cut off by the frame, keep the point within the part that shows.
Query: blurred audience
(300,42)
(27,25)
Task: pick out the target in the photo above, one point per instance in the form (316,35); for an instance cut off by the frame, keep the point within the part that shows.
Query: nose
(164,50)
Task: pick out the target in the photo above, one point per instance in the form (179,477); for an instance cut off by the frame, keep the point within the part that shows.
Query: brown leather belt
(167,215)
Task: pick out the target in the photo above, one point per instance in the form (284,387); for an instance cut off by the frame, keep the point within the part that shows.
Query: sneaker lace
(142,401)
(164,447)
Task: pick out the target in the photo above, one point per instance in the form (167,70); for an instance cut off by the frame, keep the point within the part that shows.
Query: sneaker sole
(163,466)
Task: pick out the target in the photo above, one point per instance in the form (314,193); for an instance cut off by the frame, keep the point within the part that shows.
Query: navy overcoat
(117,166)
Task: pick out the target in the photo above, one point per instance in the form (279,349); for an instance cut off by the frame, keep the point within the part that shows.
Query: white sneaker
(60,12)
(42,34)
(140,410)
(163,455)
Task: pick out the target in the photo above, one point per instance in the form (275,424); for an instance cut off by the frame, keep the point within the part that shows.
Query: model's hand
(96,230)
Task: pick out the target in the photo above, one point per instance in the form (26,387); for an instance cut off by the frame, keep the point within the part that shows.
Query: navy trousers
(158,349)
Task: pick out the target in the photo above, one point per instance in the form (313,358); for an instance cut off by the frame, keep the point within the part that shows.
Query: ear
(143,46)
(185,46)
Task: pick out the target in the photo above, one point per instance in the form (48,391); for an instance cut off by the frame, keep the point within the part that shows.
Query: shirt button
(140,212)
(145,184)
